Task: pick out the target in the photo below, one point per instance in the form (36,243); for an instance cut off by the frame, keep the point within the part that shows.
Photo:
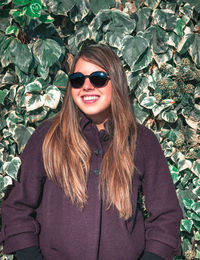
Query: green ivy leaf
(186,225)
(60,7)
(194,50)
(148,102)
(152,3)
(96,5)
(143,19)
(169,116)
(33,101)
(3,94)
(11,168)
(46,18)
(165,18)
(21,2)
(52,97)
(33,87)
(60,79)
(188,203)
(21,134)
(140,113)
(34,9)
(133,48)
(196,168)
(12,30)
(79,11)
(185,43)
(46,52)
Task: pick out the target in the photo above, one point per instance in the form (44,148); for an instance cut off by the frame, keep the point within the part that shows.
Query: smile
(90,99)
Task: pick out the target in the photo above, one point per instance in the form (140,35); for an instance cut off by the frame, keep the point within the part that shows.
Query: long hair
(67,155)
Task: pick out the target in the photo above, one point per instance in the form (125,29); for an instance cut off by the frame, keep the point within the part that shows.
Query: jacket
(38,213)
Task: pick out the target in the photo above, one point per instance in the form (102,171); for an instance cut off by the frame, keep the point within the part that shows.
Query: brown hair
(67,155)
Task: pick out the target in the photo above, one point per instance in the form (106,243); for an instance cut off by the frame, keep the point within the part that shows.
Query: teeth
(89,97)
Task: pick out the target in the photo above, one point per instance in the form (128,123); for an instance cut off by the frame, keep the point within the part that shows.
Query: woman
(77,195)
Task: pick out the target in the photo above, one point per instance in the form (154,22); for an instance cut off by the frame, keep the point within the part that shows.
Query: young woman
(77,195)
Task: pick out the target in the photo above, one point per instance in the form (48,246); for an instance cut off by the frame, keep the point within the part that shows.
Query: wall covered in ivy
(158,42)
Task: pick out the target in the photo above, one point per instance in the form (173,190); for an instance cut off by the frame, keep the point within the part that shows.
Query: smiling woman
(82,173)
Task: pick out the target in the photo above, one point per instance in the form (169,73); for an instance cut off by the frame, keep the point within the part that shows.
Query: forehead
(86,67)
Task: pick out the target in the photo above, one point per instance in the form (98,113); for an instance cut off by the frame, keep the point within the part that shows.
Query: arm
(30,253)
(163,225)
(19,227)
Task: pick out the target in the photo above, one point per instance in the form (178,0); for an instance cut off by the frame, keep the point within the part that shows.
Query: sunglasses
(98,79)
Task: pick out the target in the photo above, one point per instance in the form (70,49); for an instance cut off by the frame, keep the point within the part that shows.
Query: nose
(87,85)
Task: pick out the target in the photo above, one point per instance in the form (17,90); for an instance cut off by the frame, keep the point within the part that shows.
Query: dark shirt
(38,214)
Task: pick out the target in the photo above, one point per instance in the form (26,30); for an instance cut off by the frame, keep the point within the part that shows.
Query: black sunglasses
(98,79)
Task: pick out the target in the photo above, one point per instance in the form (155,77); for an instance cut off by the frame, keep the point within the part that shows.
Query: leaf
(7,180)
(33,87)
(21,134)
(60,7)
(140,113)
(169,116)
(194,50)
(185,43)
(157,38)
(46,52)
(148,102)
(46,18)
(143,19)
(152,3)
(79,11)
(165,18)
(3,94)
(184,164)
(12,30)
(43,72)
(21,2)
(52,97)
(33,101)
(34,9)
(60,79)
(186,225)
(196,168)
(11,168)
(188,203)
(96,5)
(133,48)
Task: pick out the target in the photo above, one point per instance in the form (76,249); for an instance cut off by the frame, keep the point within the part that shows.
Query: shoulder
(147,142)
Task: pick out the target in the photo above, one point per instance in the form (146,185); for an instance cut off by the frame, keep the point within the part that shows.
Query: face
(94,102)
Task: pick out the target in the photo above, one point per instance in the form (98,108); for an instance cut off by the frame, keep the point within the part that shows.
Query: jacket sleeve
(19,227)
(163,224)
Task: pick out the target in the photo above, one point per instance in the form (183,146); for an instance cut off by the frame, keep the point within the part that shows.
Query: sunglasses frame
(82,77)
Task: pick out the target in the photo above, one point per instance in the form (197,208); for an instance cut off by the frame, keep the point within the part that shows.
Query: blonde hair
(67,155)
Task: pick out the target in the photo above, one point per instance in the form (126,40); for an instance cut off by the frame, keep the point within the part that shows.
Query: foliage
(158,42)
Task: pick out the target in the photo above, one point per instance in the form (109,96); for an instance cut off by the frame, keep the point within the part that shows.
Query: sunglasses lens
(77,80)
(98,79)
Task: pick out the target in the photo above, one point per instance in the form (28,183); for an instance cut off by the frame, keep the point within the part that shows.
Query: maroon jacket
(37,212)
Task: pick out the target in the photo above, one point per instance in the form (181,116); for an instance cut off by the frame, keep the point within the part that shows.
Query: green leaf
(143,18)
(43,72)
(3,94)
(52,97)
(133,48)
(188,203)
(140,113)
(33,87)
(194,50)
(165,19)
(196,168)
(79,11)
(7,180)
(34,9)
(12,30)
(185,43)
(148,102)
(152,3)
(11,168)
(96,5)
(46,18)
(46,52)
(21,2)
(144,60)
(157,38)
(60,79)
(33,101)
(60,7)
(21,134)
(186,225)
(169,116)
